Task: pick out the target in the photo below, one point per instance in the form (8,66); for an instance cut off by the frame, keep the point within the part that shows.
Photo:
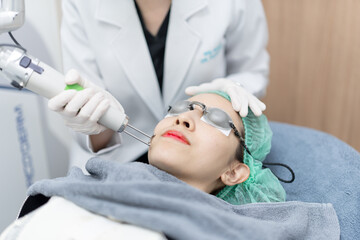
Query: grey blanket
(143,195)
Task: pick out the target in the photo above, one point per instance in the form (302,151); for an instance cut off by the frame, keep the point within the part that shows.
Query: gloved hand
(241,99)
(82,110)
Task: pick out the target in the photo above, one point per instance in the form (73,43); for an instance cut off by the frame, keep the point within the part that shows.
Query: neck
(205,187)
(153,13)
(153,4)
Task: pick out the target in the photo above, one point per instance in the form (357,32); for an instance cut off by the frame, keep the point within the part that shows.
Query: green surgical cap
(262,185)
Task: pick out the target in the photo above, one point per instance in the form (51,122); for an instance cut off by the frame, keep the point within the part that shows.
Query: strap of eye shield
(285,166)
(242,142)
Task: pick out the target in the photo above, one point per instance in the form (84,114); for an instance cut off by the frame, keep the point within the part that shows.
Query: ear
(237,173)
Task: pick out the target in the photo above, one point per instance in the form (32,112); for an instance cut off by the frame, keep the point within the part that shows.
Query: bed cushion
(327,170)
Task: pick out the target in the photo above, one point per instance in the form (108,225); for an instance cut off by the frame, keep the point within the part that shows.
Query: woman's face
(204,153)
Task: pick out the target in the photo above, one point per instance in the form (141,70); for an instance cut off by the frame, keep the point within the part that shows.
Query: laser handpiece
(25,71)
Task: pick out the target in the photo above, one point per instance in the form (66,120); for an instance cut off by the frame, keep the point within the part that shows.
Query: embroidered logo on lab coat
(208,55)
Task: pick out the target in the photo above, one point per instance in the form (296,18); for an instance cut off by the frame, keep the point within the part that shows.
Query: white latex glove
(82,110)
(241,99)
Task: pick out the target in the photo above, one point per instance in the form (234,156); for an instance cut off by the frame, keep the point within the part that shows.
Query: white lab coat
(206,39)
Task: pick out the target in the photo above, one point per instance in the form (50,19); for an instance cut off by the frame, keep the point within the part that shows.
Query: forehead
(214,100)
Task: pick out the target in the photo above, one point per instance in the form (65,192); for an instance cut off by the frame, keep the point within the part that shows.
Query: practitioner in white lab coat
(149,54)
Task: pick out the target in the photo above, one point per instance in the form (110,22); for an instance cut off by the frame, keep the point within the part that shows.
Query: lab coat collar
(132,52)
(117,12)
(182,43)
(187,8)
(113,11)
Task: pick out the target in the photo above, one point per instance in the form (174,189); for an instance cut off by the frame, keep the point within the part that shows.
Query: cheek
(169,156)
(215,148)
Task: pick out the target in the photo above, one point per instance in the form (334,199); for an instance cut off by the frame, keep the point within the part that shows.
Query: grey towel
(326,168)
(143,195)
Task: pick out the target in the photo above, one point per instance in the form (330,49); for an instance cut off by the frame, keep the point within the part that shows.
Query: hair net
(262,185)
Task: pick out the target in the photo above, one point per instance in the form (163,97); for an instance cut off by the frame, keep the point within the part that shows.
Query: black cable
(12,45)
(13,38)
(17,44)
(285,166)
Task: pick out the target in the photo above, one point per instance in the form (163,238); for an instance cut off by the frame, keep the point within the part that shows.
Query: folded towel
(143,195)
(327,171)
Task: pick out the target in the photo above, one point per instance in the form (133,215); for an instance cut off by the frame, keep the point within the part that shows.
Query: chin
(166,158)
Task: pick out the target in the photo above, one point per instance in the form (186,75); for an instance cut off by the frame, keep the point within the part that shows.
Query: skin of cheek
(166,153)
(213,156)
(205,160)
(211,153)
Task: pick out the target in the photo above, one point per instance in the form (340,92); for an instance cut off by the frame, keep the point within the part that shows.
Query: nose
(186,120)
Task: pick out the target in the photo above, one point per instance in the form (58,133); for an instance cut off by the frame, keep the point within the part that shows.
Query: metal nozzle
(137,138)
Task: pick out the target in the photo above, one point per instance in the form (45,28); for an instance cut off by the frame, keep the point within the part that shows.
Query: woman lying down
(205,181)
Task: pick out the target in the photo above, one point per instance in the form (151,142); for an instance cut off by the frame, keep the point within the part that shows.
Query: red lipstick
(177,136)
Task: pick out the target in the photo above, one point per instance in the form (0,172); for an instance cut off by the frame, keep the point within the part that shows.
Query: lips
(177,136)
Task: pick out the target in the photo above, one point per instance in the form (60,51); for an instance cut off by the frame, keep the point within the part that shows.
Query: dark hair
(239,154)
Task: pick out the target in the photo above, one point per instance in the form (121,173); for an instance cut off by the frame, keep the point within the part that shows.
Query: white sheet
(61,219)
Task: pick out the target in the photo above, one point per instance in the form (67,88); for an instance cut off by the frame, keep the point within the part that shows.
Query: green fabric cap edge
(262,185)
